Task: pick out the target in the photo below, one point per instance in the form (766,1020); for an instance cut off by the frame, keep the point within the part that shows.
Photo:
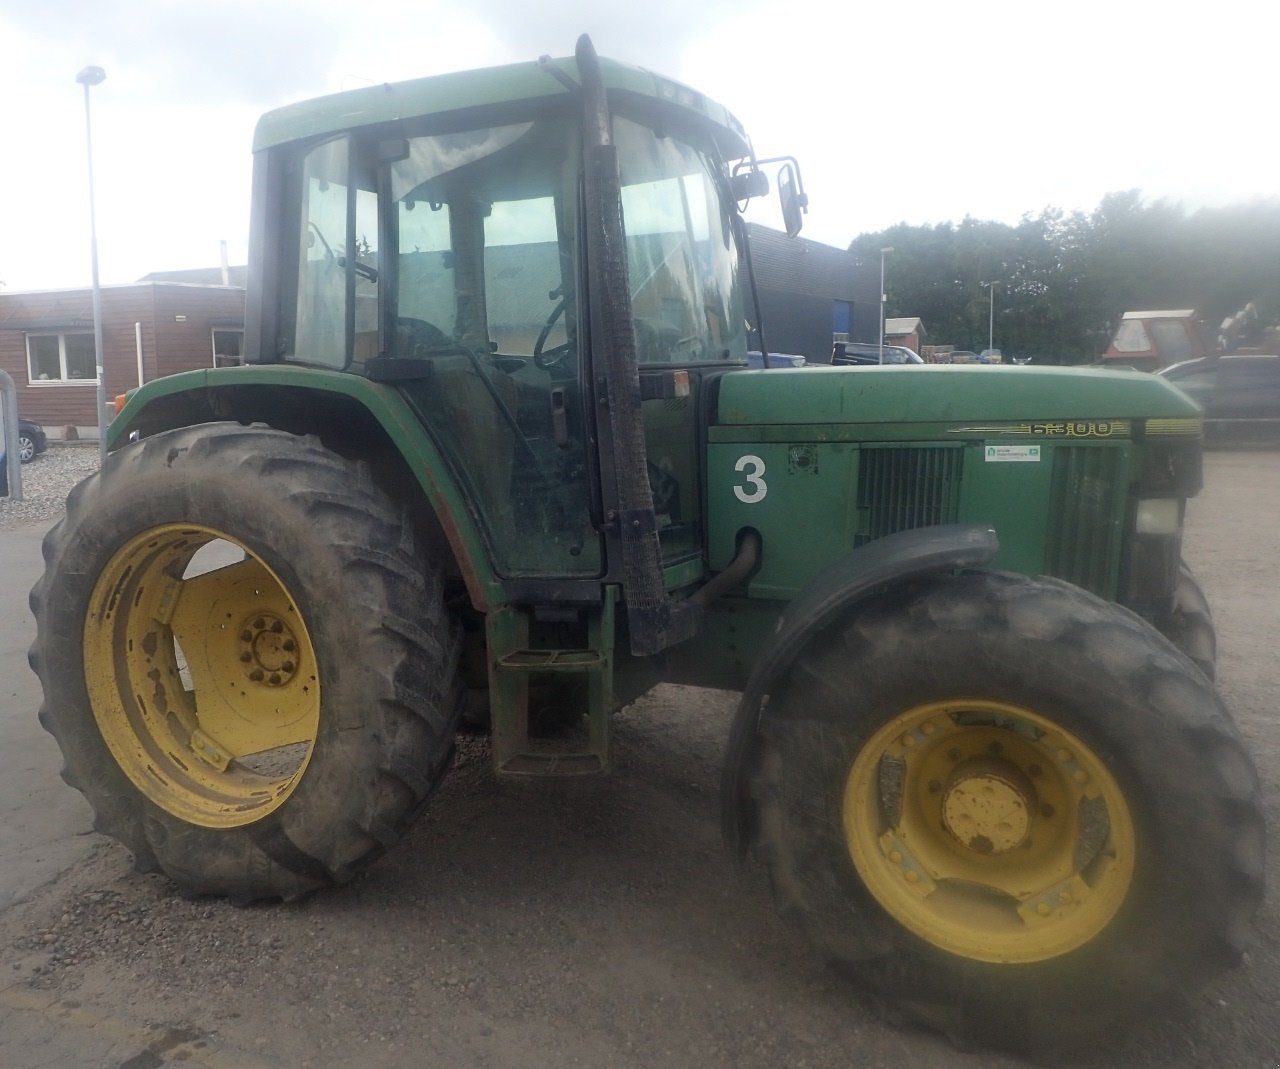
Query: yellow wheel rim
(989,831)
(201,676)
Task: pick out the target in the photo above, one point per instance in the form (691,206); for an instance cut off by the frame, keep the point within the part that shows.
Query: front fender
(868,570)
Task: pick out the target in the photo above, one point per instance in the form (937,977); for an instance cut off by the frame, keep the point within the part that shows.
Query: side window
(681,257)
(320,335)
(334,292)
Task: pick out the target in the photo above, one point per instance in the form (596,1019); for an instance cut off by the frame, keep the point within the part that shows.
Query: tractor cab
(448,255)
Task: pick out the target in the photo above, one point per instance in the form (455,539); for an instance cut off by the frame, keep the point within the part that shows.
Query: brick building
(149,329)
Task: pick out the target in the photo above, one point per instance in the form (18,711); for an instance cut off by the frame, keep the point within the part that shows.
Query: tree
(1064,280)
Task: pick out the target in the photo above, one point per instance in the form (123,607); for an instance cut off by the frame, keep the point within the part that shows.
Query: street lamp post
(87,77)
(883,298)
(991,317)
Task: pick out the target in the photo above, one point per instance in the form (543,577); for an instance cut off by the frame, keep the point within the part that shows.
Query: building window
(60,358)
(228,347)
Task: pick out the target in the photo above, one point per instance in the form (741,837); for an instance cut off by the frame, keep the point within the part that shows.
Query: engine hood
(945,394)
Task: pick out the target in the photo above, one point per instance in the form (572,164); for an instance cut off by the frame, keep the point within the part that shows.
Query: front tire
(1010,809)
(245,660)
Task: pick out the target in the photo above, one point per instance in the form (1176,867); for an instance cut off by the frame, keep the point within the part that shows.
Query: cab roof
(443,94)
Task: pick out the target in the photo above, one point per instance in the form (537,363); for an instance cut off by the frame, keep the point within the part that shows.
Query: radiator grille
(1081,542)
(900,489)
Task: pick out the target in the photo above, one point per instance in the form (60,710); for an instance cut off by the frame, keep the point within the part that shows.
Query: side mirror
(793,201)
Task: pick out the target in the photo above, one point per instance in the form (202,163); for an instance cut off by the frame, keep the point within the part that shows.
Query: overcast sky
(915,111)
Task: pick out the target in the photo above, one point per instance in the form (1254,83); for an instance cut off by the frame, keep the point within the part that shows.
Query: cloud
(234,51)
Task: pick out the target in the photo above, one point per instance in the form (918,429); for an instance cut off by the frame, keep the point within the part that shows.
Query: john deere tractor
(496,449)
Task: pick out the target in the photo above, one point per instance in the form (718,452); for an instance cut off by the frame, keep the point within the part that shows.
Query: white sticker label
(1013,452)
(752,469)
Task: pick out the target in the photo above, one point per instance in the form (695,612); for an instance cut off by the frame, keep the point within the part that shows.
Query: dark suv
(859,353)
(1240,396)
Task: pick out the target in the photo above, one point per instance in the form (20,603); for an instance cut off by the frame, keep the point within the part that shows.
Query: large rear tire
(245,659)
(1013,811)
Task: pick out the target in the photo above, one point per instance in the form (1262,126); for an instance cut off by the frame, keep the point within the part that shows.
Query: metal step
(512,663)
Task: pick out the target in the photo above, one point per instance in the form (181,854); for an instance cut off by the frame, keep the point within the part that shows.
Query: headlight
(1158,516)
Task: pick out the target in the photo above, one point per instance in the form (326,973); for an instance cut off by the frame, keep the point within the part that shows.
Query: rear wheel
(1010,809)
(245,660)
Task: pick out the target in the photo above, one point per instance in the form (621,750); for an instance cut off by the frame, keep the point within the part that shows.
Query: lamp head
(91,76)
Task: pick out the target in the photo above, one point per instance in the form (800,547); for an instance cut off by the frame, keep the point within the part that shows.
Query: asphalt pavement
(44,827)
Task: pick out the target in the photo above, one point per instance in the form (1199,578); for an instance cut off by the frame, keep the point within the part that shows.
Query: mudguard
(868,570)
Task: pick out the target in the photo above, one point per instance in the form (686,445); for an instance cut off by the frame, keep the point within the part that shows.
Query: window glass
(320,335)
(80,356)
(1131,337)
(61,358)
(228,348)
(681,258)
(485,297)
(45,362)
(1172,341)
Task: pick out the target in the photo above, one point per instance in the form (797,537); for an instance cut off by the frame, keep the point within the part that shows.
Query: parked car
(857,353)
(962,356)
(1240,395)
(32,440)
(755,359)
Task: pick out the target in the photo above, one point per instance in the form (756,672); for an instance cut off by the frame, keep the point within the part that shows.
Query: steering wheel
(545,358)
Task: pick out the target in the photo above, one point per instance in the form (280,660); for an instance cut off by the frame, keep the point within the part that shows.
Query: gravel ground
(46,481)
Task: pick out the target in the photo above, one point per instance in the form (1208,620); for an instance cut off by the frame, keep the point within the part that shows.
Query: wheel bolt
(246,636)
(246,657)
(257,675)
(259,623)
(276,627)
(275,679)
(288,666)
(288,645)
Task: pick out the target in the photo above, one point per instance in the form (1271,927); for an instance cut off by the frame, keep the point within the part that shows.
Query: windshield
(681,258)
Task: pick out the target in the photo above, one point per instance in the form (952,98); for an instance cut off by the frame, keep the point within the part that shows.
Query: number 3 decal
(753,468)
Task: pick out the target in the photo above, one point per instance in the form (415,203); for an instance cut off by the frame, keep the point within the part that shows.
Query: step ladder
(512,662)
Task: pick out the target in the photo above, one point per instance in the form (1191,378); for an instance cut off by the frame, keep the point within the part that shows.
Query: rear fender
(868,570)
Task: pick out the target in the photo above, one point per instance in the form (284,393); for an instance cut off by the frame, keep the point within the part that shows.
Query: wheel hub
(268,650)
(987,805)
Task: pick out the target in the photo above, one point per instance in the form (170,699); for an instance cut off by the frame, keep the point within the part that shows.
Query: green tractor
(497,448)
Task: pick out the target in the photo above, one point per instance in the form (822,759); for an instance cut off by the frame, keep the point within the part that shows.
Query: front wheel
(1011,809)
(246,661)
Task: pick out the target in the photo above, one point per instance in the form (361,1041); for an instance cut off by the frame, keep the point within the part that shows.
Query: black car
(857,353)
(31,440)
(1240,395)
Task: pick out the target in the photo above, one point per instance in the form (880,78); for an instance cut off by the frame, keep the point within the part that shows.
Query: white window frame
(213,345)
(64,380)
